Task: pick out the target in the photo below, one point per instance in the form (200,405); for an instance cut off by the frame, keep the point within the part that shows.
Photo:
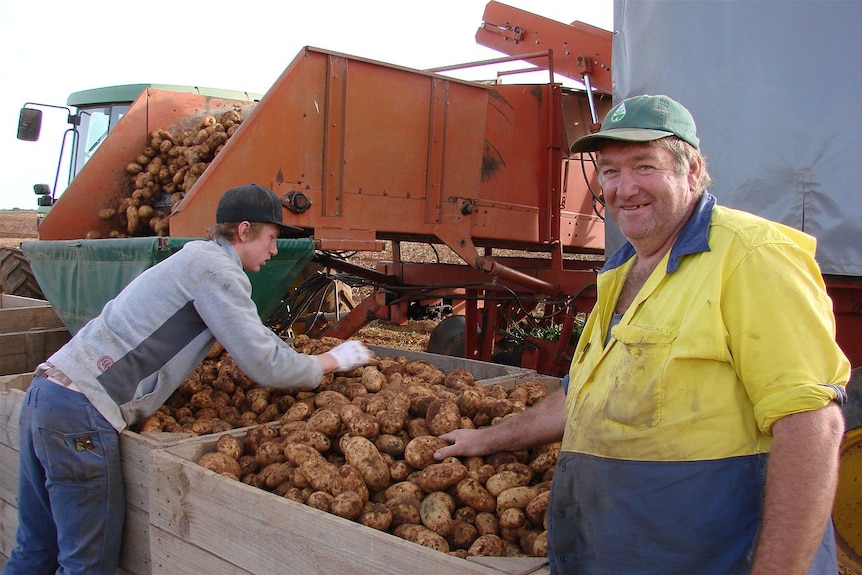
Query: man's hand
(542,423)
(350,355)
(463,442)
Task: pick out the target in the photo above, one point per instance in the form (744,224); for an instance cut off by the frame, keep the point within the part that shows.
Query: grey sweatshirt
(148,339)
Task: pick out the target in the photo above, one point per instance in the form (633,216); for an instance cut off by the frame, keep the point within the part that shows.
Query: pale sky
(53,48)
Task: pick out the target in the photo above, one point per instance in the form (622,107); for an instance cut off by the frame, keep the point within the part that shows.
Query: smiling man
(701,425)
(125,363)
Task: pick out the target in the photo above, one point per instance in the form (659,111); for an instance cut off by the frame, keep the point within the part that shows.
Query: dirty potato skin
(391,444)
(441,476)
(442,416)
(515,476)
(436,511)
(350,479)
(221,464)
(320,500)
(472,493)
(462,535)
(423,536)
(516,497)
(364,456)
(358,422)
(347,504)
(377,516)
(537,509)
(325,421)
(405,510)
(487,546)
(419,451)
(403,488)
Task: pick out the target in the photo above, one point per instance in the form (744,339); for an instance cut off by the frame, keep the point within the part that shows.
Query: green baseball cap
(642,119)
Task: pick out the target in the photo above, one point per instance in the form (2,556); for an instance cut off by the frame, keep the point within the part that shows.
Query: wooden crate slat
(172,555)
(187,500)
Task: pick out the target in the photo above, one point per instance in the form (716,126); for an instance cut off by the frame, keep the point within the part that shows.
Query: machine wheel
(448,337)
(507,358)
(853,408)
(848,500)
(16,276)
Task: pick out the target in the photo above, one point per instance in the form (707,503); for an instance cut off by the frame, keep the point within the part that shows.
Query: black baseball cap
(253,203)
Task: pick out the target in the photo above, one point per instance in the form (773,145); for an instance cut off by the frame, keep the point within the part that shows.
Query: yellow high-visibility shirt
(732,331)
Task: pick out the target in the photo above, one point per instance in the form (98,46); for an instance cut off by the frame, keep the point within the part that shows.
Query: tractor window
(95,123)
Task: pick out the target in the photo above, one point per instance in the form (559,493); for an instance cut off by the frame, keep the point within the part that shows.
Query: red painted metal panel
(358,138)
(518,32)
(846,294)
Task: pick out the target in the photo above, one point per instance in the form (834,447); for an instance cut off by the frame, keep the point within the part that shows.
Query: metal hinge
(513,33)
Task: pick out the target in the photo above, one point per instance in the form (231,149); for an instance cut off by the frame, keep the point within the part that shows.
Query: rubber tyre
(510,358)
(848,498)
(16,276)
(448,338)
(853,407)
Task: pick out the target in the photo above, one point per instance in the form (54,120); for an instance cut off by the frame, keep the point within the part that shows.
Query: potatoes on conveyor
(161,174)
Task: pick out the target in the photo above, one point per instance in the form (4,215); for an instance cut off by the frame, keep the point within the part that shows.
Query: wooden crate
(30,331)
(19,313)
(196,514)
(11,396)
(137,555)
(202,522)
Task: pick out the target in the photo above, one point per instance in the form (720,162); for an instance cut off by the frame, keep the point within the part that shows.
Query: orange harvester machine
(362,152)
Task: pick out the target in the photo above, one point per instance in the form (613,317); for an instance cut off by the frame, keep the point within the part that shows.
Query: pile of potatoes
(361,447)
(217,396)
(163,172)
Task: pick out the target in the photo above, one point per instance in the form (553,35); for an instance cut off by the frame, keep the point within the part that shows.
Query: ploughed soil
(17,226)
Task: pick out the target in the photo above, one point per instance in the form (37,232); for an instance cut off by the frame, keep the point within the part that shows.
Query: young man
(701,425)
(123,365)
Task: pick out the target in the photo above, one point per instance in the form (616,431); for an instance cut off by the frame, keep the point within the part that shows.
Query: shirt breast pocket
(635,385)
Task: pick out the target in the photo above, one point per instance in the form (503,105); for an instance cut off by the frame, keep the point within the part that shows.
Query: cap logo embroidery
(619,113)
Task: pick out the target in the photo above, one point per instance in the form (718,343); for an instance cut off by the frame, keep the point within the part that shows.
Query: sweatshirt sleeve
(223,300)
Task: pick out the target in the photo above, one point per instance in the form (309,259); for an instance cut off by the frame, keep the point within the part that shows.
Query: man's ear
(243,231)
(695,171)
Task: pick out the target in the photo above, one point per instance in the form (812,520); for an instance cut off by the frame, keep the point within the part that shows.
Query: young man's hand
(350,354)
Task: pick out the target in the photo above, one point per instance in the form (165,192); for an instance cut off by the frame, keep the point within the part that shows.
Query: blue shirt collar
(692,239)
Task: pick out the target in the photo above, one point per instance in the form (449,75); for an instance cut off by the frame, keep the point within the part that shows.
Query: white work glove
(350,354)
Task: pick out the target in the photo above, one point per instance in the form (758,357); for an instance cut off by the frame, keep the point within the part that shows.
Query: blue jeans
(71,503)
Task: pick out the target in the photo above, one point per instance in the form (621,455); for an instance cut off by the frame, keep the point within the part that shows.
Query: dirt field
(19,225)
(16,226)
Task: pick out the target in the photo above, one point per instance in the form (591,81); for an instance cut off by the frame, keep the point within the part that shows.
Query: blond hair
(685,155)
(228,231)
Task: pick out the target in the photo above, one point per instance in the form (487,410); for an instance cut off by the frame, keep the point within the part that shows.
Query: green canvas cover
(78,277)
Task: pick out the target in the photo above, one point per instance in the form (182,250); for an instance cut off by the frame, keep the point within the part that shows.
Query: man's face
(647,197)
(255,250)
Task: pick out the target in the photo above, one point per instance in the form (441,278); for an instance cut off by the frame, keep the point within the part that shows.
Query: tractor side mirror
(29,124)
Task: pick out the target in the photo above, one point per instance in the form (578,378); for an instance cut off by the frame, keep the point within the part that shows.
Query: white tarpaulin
(776,90)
